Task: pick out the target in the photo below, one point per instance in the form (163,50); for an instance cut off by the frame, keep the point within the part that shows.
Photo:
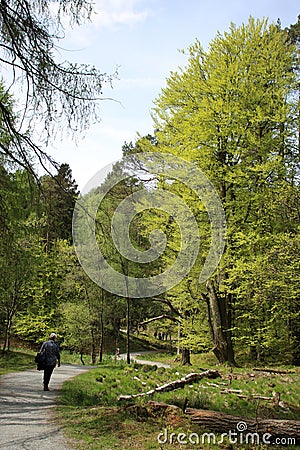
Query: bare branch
(61,97)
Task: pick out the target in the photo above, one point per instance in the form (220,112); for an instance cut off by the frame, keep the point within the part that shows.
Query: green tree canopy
(233,111)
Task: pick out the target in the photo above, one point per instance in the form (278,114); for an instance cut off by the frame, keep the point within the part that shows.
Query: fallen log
(275,399)
(223,423)
(254,397)
(239,393)
(177,384)
(284,372)
(231,391)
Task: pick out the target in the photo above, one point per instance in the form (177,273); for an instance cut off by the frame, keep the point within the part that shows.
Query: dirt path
(135,357)
(26,411)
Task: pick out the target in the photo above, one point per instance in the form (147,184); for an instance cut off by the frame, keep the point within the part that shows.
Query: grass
(94,419)
(201,360)
(16,360)
(91,413)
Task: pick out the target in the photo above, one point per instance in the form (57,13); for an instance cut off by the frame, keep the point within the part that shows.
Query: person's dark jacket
(52,353)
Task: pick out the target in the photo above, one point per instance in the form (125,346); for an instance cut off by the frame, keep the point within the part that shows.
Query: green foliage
(233,111)
(60,194)
(30,290)
(266,285)
(17,259)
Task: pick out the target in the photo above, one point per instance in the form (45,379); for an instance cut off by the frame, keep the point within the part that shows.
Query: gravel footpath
(27,420)
(134,357)
(26,411)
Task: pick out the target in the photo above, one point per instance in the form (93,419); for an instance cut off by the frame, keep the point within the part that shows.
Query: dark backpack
(40,359)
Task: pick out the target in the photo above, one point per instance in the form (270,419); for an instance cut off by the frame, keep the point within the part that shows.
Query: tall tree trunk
(125,272)
(93,344)
(6,344)
(219,325)
(92,327)
(178,339)
(128,329)
(101,327)
(10,315)
(296,348)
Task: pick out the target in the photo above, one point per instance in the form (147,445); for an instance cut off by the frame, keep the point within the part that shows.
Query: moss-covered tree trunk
(186,357)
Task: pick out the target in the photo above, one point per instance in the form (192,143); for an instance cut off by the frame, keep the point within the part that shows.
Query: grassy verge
(16,360)
(92,415)
(201,360)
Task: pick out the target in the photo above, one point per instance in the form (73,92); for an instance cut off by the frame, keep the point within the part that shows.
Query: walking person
(52,356)
(117,353)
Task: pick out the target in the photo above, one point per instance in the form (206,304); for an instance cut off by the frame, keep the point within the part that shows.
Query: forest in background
(234,112)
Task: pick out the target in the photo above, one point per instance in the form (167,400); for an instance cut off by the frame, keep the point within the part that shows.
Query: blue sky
(142,38)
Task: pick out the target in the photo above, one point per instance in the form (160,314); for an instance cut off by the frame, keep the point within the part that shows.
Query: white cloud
(140,83)
(110,13)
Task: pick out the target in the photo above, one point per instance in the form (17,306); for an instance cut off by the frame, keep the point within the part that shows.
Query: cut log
(223,423)
(177,384)
(261,369)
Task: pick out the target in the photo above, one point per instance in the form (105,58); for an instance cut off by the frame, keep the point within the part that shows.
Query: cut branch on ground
(277,371)
(177,384)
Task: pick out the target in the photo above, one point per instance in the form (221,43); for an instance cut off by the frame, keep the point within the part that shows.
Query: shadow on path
(26,419)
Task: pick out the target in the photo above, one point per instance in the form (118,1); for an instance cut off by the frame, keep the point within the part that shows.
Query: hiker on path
(52,355)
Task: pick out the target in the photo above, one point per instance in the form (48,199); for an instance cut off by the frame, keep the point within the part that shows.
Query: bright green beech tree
(233,111)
